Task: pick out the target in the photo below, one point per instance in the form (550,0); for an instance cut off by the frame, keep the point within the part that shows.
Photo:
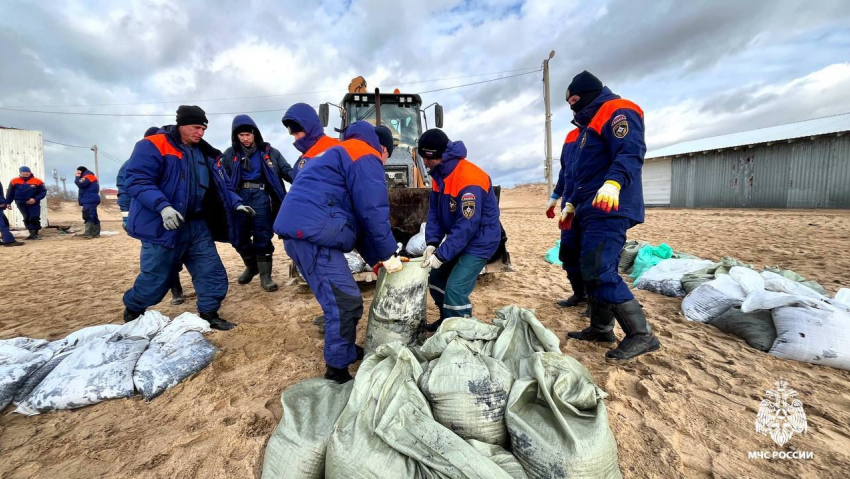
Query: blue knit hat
(24,169)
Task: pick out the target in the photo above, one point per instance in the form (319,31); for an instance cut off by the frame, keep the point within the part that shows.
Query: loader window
(403,121)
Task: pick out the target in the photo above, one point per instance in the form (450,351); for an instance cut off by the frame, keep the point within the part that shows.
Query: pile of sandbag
(150,354)
(476,400)
(666,276)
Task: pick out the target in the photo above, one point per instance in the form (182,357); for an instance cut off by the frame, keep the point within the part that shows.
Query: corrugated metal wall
(802,174)
(19,148)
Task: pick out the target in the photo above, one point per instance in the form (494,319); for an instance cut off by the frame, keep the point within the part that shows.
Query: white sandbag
(19,358)
(82,336)
(843,296)
(356,263)
(713,298)
(298,444)
(399,309)
(468,391)
(558,422)
(384,382)
(169,360)
(416,245)
(100,369)
(780,284)
(767,300)
(813,335)
(481,334)
(522,335)
(749,280)
(666,277)
(145,326)
(770,291)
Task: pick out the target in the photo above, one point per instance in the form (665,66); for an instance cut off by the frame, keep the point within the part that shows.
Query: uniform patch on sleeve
(301,163)
(468,205)
(583,140)
(621,129)
(618,119)
(452,205)
(467,197)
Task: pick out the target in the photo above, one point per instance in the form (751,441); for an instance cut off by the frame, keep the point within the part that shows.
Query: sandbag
(481,335)
(298,444)
(693,280)
(174,354)
(553,255)
(628,255)
(384,382)
(522,335)
(649,256)
(416,244)
(19,358)
(843,297)
(504,459)
(558,422)
(712,299)
(755,328)
(399,309)
(666,277)
(356,263)
(467,391)
(777,291)
(793,276)
(813,335)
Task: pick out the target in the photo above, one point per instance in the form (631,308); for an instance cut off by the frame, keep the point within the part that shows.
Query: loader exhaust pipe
(377,107)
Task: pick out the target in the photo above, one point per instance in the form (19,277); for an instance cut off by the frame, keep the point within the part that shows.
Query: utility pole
(547,167)
(56,179)
(96,170)
(64,189)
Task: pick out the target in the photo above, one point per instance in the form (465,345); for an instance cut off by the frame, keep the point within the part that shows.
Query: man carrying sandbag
(463,210)
(338,201)
(607,200)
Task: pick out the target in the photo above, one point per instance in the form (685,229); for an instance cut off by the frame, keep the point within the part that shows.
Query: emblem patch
(468,205)
(618,119)
(621,129)
(467,197)
(452,205)
(301,163)
(583,140)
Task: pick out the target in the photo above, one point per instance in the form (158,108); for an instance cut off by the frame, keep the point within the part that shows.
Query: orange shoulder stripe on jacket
(161,143)
(357,149)
(91,178)
(322,145)
(607,109)
(17,180)
(466,174)
(572,136)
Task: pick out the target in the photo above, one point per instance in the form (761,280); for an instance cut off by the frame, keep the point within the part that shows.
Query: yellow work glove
(608,197)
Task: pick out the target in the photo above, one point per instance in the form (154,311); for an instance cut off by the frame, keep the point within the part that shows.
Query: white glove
(393,265)
(608,197)
(433,262)
(171,218)
(427,254)
(246,209)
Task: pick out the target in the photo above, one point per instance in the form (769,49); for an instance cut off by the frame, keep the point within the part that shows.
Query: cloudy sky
(697,68)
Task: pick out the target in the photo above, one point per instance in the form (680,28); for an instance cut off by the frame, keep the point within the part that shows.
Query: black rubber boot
(88,231)
(319,321)
(341,376)
(95,230)
(264,266)
(251,270)
(587,313)
(216,322)
(33,235)
(579,295)
(13,243)
(601,327)
(177,294)
(639,338)
(131,315)
(361,353)
(433,326)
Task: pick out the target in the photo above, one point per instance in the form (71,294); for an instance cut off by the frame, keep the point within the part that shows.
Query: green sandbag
(552,256)
(755,328)
(649,256)
(522,335)
(297,447)
(793,276)
(399,309)
(692,281)
(558,422)
(628,255)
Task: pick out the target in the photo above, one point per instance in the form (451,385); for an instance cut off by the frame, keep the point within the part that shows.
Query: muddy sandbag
(813,335)
(356,263)
(399,309)
(19,358)
(504,459)
(558,422)
(712,299)
(468,391)
(755,328)
(178,351)
(666,277)
(298,444)
(416,245)
(693,280)
(628,255)
(522,335)
(472,330)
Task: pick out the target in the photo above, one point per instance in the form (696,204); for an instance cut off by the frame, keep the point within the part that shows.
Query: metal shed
(797,165)
(19,148)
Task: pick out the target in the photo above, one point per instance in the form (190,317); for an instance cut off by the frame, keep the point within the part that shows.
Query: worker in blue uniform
(256,173)
(463,230)
(607,200)
(302,122)
(124,201)
(339,201)
(88,197)
(27,191)
(6,237)
(180,205)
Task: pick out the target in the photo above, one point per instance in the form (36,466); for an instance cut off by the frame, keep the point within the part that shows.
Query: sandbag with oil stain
(19,358)
(298,444)
(522,335)
(467,389)
(694,279)
(558,421)
(814,335)
(399,309)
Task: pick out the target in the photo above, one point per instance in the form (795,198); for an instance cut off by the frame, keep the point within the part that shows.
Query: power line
(115,160)
(480,82)
(65,144)
(265,96)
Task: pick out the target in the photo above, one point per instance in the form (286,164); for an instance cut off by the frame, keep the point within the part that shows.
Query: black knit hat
(385,138)
(587,87)
(82,169)
(191,115)
(432,144)
(245,129)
